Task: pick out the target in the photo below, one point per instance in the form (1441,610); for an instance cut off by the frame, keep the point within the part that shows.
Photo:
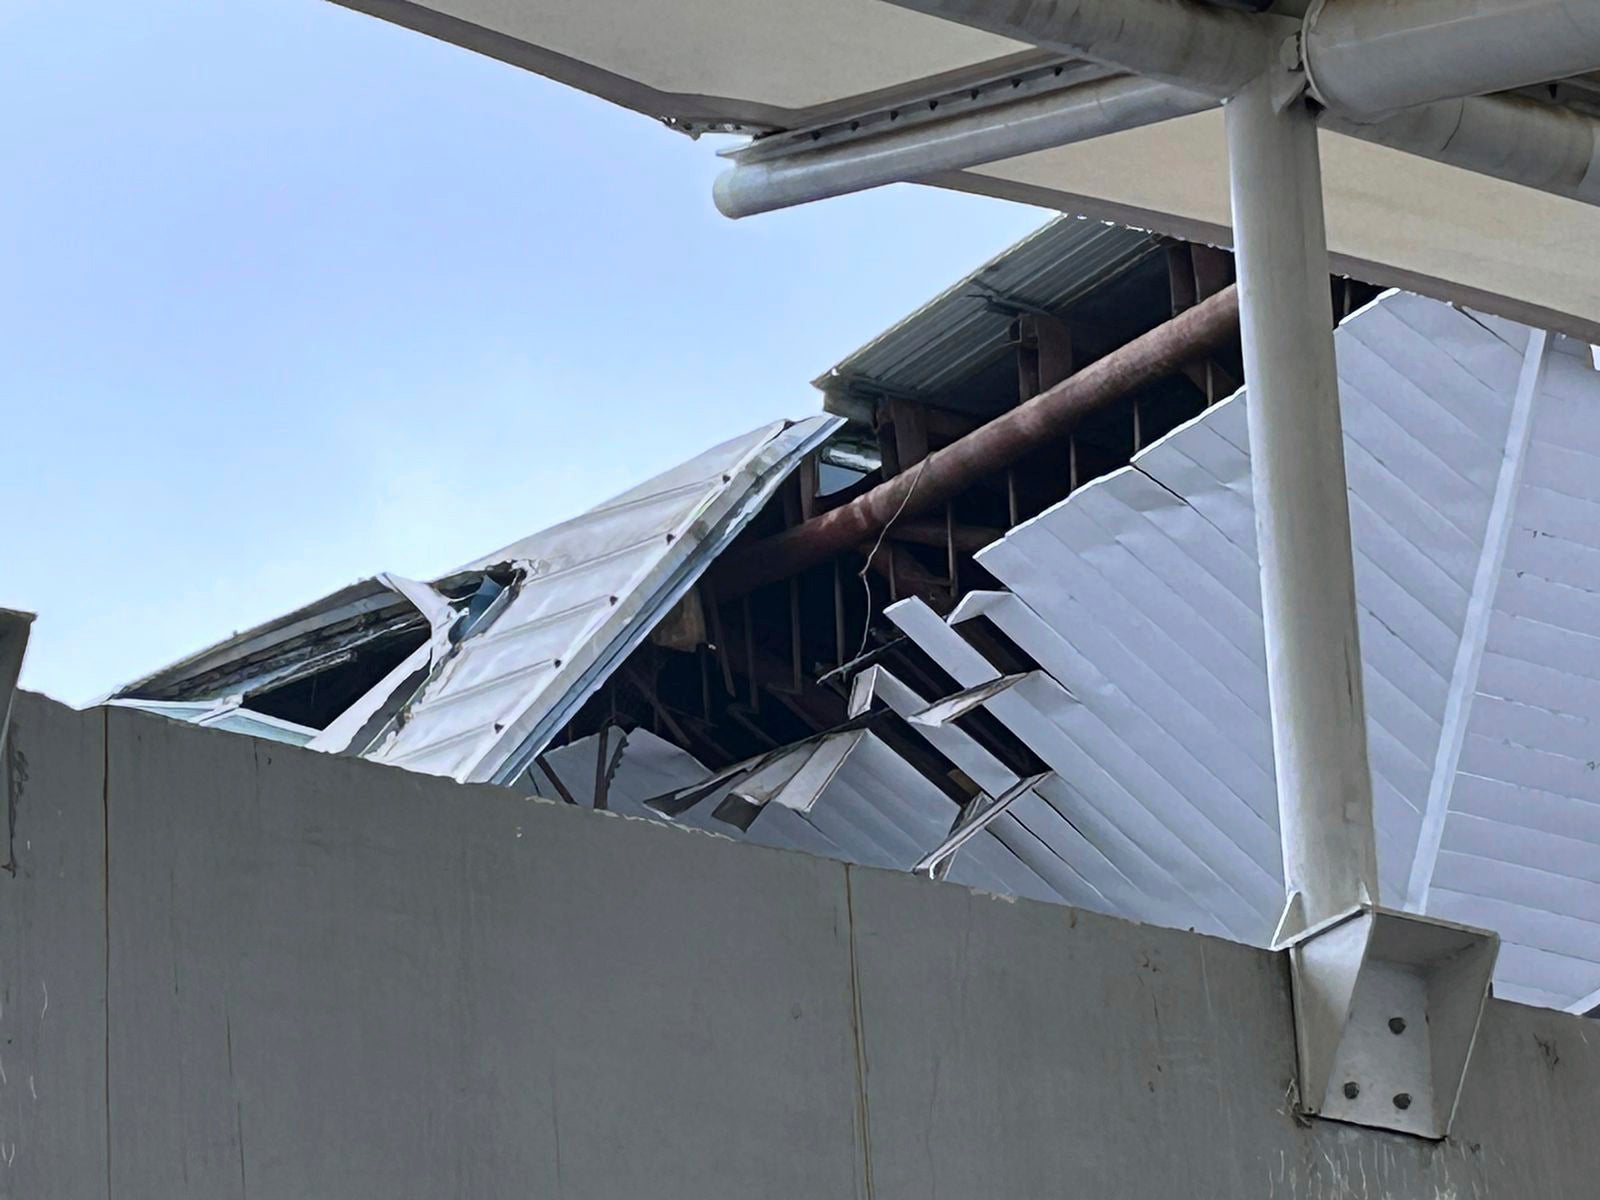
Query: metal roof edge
(506,766)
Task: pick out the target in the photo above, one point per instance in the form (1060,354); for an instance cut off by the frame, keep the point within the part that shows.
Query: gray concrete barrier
(234,969)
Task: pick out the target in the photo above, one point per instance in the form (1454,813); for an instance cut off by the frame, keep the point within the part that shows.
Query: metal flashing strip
(971,824)
(953,708)
(1480,611)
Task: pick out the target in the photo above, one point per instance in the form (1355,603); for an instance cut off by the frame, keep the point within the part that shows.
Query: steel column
(1302,512)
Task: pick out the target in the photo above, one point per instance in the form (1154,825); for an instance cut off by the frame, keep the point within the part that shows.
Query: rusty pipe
(944,474)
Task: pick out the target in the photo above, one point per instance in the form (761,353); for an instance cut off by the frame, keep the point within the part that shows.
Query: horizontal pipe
(1541,146)
(946,473)
(1211,50)
(1039,123)
(1521,141)
(1366,57)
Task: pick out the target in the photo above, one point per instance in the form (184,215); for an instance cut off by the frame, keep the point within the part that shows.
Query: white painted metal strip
(1480,608)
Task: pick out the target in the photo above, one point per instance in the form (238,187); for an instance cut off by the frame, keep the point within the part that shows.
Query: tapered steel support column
(1302,514)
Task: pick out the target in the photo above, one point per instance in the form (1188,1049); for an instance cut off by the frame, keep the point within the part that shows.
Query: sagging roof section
(1125,653)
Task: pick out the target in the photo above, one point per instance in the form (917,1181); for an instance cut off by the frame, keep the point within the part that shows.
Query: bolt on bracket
(1386,1011)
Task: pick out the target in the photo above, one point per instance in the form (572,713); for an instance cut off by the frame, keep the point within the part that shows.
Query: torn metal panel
(354,728)
(953,708)
(1138,596)
(1182,886)
(1033,827)
(601,582)
(471,674)
(797,779)
(300,641)
(357,727)
(873,808)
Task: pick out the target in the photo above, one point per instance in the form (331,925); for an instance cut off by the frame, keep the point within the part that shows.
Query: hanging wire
(866,585)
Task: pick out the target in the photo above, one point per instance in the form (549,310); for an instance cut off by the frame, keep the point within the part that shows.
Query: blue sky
(291,296)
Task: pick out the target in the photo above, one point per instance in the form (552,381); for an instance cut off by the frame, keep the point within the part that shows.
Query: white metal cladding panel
(877,811)
(1139,594)
(1031,831)
(1521,846)
(591,576)
(1176,887)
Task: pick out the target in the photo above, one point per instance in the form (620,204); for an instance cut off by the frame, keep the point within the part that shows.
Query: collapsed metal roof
(489,661)
(1136,606)
(1094,733)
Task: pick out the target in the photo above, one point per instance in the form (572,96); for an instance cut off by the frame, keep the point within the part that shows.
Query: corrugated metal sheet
(962,329)
(1139,597)
(595,587)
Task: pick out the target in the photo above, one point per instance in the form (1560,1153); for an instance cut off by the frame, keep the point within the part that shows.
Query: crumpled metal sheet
(596,586)
(876,810)
(1139,597)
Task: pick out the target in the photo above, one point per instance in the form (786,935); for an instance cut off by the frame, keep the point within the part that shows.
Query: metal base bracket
(1386,1011)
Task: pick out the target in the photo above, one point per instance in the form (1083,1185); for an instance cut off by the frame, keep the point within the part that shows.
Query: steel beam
(1302,511)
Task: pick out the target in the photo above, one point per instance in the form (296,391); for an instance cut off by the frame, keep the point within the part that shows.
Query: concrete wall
(299,976)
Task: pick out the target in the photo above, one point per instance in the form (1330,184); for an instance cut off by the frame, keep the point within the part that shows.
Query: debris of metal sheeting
(1137,603)
(440,679)
(612,574)
(1472,465)
(1045,687)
